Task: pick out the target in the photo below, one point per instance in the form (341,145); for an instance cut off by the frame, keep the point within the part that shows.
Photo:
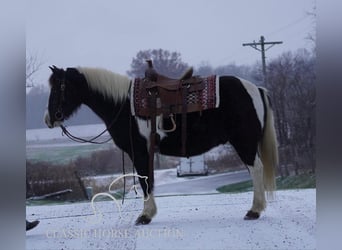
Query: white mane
(110,84)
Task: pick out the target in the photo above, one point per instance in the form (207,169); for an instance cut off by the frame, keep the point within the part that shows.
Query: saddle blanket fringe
(208,98)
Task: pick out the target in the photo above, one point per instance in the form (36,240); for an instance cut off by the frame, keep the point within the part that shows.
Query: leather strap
(184,119)
(153,136)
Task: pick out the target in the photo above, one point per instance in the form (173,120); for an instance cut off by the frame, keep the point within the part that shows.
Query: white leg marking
(259,200)
(150,208)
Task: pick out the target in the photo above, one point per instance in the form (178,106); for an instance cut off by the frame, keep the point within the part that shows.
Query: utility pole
(262,44)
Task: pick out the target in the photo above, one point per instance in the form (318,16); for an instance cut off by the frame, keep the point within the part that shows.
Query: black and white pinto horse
(244,118)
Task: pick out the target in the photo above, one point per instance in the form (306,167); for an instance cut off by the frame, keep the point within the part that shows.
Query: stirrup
(174,126)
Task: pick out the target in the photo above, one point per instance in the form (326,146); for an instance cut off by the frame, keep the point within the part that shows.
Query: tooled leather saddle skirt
(200,94)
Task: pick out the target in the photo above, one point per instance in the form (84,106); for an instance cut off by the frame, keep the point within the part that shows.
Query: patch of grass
(47,202)
(236,187)
(290,182)
(297,181)
(61,154)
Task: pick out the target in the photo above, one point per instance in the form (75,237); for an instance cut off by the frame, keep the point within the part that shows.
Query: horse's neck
(106,108)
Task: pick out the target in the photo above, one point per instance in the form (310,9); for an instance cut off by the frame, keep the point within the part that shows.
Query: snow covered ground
(190,218)
(207,221)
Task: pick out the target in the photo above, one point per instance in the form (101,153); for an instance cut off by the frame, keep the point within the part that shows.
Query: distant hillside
(36,103)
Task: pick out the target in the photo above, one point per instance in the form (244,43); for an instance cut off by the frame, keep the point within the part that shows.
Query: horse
(243,118)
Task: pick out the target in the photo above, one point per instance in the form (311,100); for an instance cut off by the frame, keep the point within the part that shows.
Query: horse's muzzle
(48,122)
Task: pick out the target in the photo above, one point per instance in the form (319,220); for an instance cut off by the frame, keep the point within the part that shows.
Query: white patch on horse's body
(256,172)
(109,84)
(217,90)
(253,91)
(145,129)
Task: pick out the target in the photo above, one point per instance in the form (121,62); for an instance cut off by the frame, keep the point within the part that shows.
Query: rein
(81,140)
(92,140)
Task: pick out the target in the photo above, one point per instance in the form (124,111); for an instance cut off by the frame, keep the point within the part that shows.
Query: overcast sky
(109,34)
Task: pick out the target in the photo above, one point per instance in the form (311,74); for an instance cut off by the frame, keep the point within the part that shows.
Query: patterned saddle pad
(206,98)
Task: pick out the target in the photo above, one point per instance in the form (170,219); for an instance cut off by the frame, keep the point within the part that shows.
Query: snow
(207,221)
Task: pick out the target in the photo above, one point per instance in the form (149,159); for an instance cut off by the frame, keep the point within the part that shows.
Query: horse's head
(64,96)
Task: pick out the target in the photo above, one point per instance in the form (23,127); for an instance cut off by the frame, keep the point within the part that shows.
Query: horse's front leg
(150,208)
(149,211)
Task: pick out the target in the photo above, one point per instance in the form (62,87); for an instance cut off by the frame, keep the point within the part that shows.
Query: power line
(262,49)
(295,22)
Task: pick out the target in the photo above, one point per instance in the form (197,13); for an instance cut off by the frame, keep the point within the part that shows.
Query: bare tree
(291,79)
(32,66)
(164,61)
(204,69)
(312,34)
(233,69)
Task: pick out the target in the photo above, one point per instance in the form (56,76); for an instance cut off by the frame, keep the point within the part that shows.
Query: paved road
(202,184)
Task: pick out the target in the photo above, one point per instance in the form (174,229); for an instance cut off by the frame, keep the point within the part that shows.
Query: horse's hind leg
(259,200)
(247,150)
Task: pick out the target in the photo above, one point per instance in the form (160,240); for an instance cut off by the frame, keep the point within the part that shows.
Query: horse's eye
(59,115)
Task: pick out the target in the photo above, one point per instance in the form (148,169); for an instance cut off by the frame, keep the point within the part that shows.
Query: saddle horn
(150,72)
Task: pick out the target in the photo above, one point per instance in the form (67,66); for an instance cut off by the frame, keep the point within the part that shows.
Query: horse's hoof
(251,215)
(143,220)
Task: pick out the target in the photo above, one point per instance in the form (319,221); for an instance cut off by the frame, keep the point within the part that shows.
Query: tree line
(291,84)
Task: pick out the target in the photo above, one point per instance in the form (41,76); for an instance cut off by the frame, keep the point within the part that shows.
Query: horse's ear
(53,68)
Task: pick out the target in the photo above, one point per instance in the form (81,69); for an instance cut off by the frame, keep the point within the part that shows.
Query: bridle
(92,140)
(59,116)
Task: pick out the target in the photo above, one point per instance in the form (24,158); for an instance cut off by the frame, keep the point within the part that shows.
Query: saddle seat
(172,93)
(164,82)
(186,75)
(152,75)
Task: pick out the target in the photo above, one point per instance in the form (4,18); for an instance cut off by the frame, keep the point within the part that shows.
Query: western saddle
(171,94)
(166,97)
